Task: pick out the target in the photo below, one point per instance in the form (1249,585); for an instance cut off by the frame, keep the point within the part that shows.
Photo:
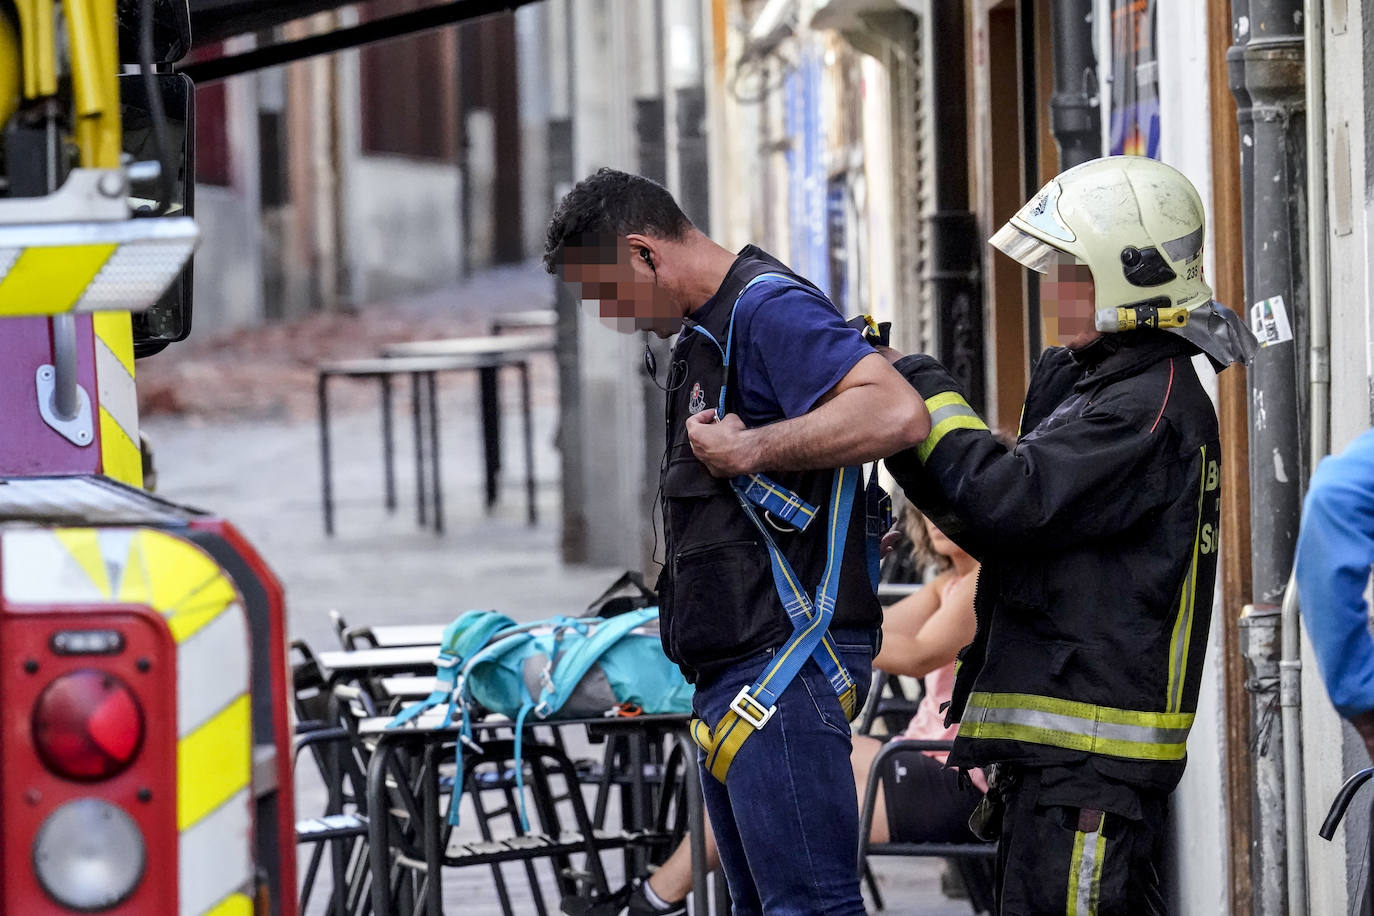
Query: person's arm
(1048,489)
(1334,555)
(939,639)
(869,414)
(906,617)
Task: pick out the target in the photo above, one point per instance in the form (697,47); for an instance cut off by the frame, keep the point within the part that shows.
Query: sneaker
(594,904)
(639,904)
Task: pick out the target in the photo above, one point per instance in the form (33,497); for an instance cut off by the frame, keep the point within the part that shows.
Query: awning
(216,20)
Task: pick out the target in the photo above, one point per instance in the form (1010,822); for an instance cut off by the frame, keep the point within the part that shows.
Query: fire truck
(145,742)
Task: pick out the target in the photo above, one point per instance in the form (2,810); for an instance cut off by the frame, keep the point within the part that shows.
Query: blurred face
(618,275)
(941,544)
(1068,303)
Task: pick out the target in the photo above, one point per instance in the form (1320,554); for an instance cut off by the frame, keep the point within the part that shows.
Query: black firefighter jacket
(1098,538)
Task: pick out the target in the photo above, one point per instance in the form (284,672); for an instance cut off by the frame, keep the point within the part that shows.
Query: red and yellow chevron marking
(205,615)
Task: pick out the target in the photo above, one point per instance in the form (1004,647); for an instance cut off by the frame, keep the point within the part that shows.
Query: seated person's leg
(672,882)
(865,749)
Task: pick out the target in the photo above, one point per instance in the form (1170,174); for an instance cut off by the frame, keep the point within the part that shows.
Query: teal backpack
(561,668)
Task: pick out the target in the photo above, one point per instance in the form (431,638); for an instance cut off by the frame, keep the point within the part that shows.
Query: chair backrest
(888,703)
(974,859)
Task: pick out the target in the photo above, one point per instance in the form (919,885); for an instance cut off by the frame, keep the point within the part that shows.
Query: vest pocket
(720,610)
(687,478)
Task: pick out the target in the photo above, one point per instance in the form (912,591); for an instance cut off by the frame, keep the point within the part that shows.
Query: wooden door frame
(998,181)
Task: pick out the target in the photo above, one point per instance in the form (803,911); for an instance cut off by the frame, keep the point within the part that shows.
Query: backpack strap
(567,669)
(466,634)
(462,700)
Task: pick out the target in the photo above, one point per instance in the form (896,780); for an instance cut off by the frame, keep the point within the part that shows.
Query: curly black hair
(607,205)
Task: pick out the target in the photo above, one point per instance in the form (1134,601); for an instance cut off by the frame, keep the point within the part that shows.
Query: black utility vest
(717,597)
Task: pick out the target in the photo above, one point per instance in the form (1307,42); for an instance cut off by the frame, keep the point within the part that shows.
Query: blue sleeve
(793,347)
(1335,551)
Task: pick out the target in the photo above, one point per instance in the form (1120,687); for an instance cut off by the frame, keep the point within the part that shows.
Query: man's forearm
(869,414)
(857,425)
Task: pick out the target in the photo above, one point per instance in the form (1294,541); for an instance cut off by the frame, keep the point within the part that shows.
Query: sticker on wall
(1269,321)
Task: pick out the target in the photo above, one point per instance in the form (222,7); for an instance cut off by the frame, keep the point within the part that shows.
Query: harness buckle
(750,709)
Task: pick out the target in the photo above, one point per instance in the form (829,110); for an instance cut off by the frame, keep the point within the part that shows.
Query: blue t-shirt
(791,346)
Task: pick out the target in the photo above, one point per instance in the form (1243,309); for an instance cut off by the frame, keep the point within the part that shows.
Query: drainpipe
(1267,72)
(1290,711)
(953,268)
(1319,304)
(1075,117)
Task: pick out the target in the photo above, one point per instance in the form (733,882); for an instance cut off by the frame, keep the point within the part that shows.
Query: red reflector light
(87,725)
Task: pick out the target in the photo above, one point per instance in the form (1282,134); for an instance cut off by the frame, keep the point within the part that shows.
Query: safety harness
(755,704)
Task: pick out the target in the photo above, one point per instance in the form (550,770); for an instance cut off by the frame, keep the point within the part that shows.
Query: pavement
(260,469)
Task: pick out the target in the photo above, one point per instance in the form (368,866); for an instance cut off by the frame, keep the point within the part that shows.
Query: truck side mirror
(170,318)
(171,30)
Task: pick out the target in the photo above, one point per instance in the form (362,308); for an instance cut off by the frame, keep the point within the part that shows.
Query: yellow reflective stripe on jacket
(1076,726)
(948,412)
(1187,598)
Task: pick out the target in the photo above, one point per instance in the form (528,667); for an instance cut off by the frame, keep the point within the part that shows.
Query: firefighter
(1098,536)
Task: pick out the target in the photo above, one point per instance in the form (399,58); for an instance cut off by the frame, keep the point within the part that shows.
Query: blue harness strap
(776,500)
(755,704)
(810,621)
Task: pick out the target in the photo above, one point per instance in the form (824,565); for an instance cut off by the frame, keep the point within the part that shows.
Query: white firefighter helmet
(1139,226)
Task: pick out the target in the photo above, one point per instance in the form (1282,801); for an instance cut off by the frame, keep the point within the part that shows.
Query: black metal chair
(414,832)
(1336,814)
(888,703)
(341,828)
(974,860)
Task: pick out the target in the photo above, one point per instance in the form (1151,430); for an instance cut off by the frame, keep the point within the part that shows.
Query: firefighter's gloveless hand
(722,445)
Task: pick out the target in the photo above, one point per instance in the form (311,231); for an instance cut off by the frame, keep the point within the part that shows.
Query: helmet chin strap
(1221,334)
(1212,328)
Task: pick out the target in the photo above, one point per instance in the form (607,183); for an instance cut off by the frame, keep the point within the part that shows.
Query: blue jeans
(786,821)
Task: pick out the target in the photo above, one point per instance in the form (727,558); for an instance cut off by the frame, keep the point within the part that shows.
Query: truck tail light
(89,855)
(87,725)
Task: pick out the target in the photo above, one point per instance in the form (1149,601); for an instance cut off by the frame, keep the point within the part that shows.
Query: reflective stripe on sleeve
(948,412)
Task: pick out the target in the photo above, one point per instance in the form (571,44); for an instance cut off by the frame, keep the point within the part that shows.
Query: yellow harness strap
(722,744)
